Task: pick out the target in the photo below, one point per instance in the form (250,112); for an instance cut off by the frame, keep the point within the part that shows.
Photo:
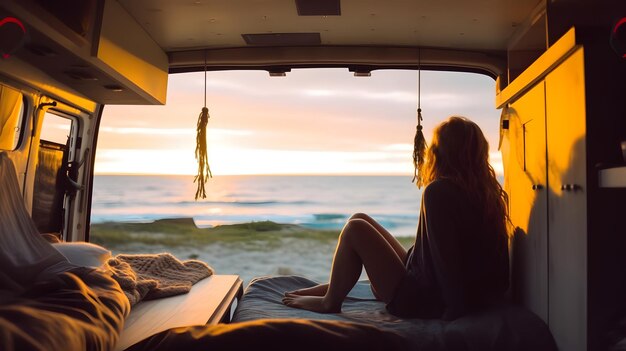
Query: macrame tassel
(204,171)
(419,149)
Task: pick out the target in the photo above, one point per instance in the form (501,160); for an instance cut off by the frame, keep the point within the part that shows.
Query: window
(55,128)
(293,157)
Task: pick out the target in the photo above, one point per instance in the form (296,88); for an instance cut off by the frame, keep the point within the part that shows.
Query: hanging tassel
(204,171)
(419,142)
(419,149)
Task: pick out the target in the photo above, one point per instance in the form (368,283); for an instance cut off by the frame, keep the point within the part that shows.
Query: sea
(318,202)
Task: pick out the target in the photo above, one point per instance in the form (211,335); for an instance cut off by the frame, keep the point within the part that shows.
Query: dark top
(459,261)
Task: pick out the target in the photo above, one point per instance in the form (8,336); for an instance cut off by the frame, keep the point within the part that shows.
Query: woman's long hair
(459,152)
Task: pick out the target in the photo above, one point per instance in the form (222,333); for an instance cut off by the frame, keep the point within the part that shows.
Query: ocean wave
(315,202)
(325,217)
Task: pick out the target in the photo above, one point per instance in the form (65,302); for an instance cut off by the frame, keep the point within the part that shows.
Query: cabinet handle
(537,186)
(571,187)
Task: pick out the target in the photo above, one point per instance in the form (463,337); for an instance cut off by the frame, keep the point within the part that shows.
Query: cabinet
(528,200)
(567,202)
(545,165)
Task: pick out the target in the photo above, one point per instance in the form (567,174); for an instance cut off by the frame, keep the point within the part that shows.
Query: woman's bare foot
(318,290)
(311,303)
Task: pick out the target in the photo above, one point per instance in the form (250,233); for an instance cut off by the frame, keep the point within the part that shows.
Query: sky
(313,121)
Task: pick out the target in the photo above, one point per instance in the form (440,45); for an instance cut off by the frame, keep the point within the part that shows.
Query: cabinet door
(567,205)
(527,191)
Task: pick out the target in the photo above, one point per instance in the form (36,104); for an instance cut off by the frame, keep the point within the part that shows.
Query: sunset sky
(313,121)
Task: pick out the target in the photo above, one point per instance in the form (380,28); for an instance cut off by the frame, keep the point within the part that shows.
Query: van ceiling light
(282,39)
(318,7)
(114,88)
(361,71)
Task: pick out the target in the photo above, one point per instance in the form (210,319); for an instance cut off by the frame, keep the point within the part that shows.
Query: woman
(459,261)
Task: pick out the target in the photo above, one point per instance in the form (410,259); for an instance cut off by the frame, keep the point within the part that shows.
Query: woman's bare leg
(395,244)
(317,290)
(320,290)
(360,244)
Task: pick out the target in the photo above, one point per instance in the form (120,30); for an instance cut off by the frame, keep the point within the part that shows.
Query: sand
(248,249)
(295,257)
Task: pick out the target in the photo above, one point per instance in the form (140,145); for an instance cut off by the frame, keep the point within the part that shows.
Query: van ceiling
(252,34)
(199,24)
(102,49)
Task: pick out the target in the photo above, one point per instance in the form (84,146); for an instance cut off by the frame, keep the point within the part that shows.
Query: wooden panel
(528,200)
(565,108)
(130,55)
(535,72)
(205,303)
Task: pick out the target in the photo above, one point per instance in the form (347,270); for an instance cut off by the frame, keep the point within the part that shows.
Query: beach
(248,225)
(247,249)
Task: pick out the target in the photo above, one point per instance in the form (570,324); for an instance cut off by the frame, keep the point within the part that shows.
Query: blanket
(147,277)
(82,309)
(275,335)
(499,327)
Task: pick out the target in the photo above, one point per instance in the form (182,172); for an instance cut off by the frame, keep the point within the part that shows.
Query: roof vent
(318,7)
(282,39)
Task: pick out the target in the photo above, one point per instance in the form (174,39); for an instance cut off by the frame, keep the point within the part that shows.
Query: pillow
(83,253)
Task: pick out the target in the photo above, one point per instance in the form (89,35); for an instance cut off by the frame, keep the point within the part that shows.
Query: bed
(503,327)
(48,302)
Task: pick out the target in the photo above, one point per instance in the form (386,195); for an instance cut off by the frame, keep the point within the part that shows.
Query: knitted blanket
(147,277)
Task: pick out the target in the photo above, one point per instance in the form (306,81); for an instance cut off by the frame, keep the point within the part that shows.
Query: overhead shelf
(114,62)
(612,177)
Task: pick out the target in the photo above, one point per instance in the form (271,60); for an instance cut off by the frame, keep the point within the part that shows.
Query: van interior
(559,68)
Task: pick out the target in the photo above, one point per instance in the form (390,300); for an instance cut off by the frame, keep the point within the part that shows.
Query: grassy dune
(248,249)
(184,233)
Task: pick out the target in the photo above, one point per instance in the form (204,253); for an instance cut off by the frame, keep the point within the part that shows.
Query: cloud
(148,131)
(342,95)
(329,118)
(398,147)
(173,131)
(234,160)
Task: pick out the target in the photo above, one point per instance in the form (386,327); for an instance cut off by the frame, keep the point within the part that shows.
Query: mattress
(502,327)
